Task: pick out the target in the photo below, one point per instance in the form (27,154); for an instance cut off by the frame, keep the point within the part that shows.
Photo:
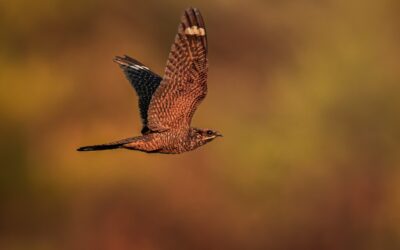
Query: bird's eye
(209,132)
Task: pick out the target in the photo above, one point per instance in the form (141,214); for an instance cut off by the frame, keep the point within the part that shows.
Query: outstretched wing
(143,80)
(184,84)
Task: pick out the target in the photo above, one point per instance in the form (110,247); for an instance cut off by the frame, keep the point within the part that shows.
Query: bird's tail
(106,146)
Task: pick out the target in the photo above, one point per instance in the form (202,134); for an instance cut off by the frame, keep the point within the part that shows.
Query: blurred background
(305,92)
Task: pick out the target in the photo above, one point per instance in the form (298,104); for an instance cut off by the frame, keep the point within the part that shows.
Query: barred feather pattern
(168,104)
(184,84)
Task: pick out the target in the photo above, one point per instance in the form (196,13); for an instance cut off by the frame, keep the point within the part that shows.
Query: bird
(167,104)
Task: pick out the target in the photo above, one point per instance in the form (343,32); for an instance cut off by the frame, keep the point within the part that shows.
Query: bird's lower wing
(184,84)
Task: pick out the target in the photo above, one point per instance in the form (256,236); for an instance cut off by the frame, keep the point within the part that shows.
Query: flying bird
(167,104)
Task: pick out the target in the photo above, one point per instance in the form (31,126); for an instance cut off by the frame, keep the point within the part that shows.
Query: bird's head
(203,136)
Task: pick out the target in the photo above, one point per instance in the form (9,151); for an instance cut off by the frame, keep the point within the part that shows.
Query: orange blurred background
(306,94)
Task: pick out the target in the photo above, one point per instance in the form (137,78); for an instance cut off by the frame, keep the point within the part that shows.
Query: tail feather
(106,146)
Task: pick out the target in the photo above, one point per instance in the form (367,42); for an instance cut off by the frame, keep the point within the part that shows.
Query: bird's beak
(219,134)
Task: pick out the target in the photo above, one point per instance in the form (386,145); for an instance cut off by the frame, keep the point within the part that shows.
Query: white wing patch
(138,67)
(195,31)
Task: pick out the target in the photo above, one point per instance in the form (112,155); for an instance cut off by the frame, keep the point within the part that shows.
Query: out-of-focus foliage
(305,92)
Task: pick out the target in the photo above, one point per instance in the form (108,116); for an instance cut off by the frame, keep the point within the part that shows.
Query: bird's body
(167,104)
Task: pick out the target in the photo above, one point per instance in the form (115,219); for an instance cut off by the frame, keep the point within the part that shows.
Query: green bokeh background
(305,92)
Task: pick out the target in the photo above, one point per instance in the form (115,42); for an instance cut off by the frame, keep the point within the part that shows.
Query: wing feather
(144,81)
(184,84)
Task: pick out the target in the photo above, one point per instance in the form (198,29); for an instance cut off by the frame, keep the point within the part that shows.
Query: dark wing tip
(192,17)
(128,61)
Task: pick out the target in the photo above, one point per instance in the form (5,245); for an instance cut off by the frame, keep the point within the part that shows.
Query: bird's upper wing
(184,84)
(143,80)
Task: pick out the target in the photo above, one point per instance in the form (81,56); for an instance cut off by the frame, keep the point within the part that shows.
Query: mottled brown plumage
(168,104)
